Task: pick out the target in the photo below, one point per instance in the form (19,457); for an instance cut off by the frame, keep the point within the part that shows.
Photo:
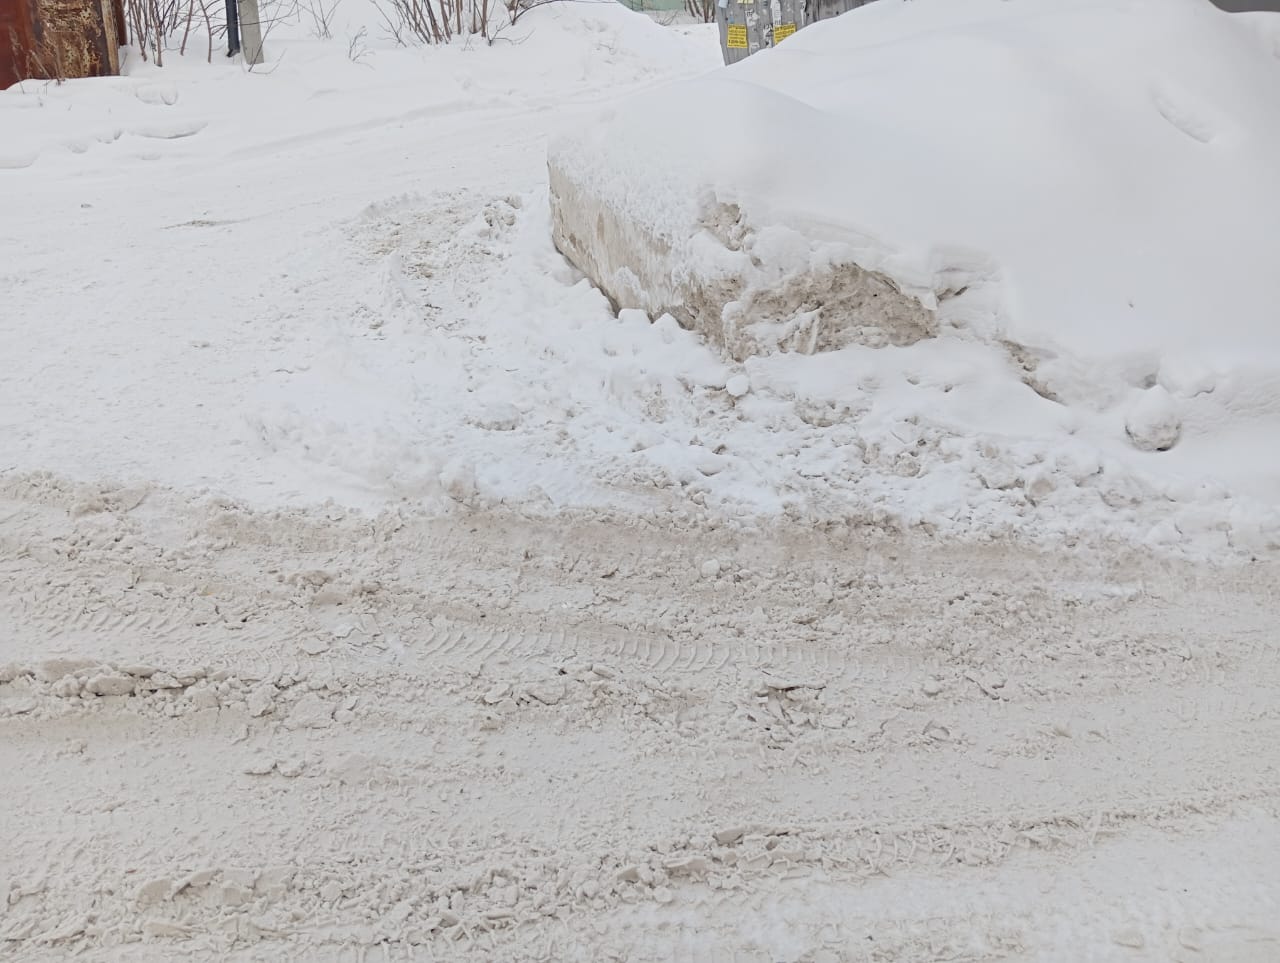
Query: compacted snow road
(239,735)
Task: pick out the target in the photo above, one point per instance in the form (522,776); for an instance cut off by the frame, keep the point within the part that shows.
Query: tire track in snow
(451,727)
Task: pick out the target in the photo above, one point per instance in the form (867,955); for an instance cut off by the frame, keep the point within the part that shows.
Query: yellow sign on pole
(737,37)
(782,31)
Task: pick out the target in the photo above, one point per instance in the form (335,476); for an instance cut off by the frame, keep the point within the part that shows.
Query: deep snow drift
(1115,159)
(1086,193)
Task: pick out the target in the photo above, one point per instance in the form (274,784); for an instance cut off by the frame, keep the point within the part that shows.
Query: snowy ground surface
(370,590)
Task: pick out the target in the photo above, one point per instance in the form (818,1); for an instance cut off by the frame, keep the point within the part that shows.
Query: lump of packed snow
(1105,173)
(1153,423)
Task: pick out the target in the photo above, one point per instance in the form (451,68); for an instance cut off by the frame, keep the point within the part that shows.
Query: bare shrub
(153,25)
(357,48)
(393,25)
(422,20)
(518,8)
(152,21)
(440,21)
(321,14)
(701,10)
(158,26)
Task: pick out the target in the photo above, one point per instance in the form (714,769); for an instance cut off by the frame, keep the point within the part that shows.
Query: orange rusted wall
(16,37)
(51,39)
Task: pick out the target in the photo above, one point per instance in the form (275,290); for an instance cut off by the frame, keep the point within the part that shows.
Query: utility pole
(233,29)
(250,31)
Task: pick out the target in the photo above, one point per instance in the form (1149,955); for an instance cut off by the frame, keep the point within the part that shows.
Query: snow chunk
(458,479)
(498,416)
(1153,423)
(738,385)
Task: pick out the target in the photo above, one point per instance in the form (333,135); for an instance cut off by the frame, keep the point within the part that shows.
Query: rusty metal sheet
(17,37)
(75,40)
(52,39)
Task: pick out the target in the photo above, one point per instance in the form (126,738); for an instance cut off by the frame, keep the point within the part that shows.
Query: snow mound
(1072,207)
(1115,159)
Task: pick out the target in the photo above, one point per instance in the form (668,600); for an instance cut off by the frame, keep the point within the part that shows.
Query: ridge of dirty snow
(467,367)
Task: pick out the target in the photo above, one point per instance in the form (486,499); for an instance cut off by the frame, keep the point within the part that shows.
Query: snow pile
(341,286)
(1083,196)
(1116,160)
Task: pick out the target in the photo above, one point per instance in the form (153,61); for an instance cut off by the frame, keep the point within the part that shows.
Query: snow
(1096,179)
(331,279)
(371,588)
(1132,141)
(253,299)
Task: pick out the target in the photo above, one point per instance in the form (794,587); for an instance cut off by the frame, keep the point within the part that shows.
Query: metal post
(233,29)
(251,31)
